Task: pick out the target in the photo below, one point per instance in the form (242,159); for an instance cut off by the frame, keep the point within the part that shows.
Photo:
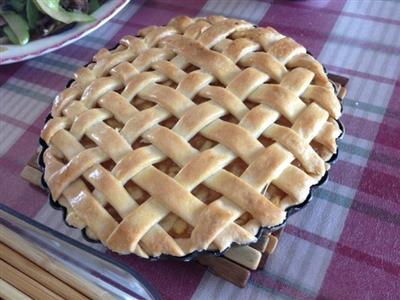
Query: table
(346,244)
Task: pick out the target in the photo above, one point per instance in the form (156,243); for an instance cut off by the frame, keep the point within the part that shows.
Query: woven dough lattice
(191,136)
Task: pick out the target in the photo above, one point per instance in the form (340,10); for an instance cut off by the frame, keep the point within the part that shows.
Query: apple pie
(191,136)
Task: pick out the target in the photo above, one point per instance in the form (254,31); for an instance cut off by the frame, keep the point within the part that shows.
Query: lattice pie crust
(191,136)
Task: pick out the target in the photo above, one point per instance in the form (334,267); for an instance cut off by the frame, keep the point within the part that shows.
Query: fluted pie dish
(190,137)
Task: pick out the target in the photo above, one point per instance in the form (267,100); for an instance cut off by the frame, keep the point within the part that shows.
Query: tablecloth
(346,243)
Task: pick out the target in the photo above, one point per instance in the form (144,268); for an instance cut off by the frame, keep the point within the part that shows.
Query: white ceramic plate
(13,53)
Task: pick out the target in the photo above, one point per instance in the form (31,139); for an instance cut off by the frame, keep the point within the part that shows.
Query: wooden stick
(273,241)
(244,255)
(24,283)
(338,79)
(32,270)
(226,269)
(8,292)
(30,251)
(262,243)
(32,175)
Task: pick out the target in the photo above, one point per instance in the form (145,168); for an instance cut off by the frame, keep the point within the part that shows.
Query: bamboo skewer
(55,268)
(9,292)
(38,274)
(24,283)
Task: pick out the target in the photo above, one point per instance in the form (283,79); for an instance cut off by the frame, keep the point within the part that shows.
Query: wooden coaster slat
(273,242)
(226,269)
(338,79)
(31,174)
(245,256)
(262,243)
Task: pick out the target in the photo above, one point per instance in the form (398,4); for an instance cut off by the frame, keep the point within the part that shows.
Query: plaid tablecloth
(346,244)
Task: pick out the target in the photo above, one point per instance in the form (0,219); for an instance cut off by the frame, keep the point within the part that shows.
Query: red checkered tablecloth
(346,244)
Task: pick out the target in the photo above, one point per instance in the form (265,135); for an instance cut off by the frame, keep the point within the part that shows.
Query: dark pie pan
(191,256)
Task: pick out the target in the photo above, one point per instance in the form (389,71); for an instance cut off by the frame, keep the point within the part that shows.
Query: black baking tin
(189,257)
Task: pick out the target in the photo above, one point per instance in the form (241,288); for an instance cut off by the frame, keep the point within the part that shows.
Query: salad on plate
(22,21)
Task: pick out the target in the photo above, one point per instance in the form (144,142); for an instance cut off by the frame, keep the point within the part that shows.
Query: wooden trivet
(236,264)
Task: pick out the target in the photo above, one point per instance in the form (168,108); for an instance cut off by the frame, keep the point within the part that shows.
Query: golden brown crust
(244,93)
